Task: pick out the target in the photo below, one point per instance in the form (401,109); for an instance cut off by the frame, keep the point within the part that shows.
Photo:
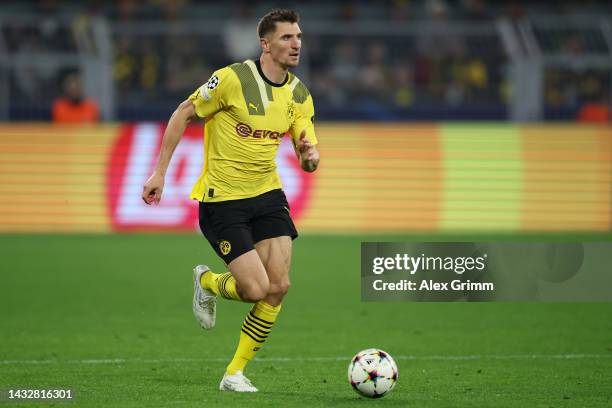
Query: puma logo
(256,107)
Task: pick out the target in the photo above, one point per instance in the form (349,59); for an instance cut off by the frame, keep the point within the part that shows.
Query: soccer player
(247,108)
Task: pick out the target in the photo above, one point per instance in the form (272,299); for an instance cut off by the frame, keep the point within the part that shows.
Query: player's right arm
(204,102)
(184,113)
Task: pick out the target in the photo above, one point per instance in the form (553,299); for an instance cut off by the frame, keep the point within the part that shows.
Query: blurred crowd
(360,69)
(428,65)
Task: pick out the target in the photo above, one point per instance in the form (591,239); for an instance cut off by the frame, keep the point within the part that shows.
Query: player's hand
(152,190)
(309,155)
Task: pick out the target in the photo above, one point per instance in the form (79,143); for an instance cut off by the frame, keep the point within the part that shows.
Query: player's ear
(265,44)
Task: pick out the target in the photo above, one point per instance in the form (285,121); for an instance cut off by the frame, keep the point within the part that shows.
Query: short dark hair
(267,24)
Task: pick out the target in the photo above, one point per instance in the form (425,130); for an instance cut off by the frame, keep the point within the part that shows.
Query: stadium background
(437,120)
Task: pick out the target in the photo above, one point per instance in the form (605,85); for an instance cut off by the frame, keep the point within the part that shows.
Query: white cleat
(204,301)
(237,383)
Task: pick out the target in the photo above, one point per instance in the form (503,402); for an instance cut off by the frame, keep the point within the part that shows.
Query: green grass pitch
(110,316)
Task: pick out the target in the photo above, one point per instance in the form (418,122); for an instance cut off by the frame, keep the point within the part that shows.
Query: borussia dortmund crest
(225,247)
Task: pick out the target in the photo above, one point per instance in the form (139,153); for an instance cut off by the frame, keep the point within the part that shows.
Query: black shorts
(233,227)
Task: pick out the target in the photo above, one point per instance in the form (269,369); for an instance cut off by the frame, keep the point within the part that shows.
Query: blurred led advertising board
(373,177)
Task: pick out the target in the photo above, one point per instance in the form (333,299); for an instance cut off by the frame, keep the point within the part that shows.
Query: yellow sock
(223,284)
(255,330)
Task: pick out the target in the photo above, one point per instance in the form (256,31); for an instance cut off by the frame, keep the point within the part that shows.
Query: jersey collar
(258,65)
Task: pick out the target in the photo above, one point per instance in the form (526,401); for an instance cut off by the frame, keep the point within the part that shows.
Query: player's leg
(252,285)
(246,280)
(275,255)
(249,273)
(272,230)
(225,226)
(232,228)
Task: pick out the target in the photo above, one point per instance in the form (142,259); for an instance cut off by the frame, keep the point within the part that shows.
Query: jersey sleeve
(304,121)
(212,97)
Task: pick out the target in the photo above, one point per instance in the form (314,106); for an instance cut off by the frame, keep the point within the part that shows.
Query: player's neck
(272,71)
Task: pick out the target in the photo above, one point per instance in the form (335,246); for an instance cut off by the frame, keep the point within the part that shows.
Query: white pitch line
(319,359)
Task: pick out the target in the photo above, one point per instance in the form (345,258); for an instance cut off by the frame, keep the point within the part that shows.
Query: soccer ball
(372,373)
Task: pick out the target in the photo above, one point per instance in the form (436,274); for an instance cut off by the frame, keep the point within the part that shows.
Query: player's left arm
(304,138)
(307,153)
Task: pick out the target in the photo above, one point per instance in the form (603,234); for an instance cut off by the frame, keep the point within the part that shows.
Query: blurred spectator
(400,10)
(50,32)
(374,77)
(346,11)
(403,86)
(514,9)
(127,10)
(125,64)
(150,66)
(171,10)
(345,69)
(184,66)
(437,39)
(72,106)
(476,10)
(238,35)
(594,112)
(84,27)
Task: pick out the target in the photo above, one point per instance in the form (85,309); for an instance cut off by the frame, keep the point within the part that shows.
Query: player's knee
(284,287)
(254,291)
(279,288)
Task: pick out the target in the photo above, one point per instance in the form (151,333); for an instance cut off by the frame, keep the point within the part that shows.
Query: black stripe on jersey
(252,335)
(250,89)
(262,320)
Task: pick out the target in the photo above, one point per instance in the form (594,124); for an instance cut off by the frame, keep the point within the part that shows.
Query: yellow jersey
(245,118)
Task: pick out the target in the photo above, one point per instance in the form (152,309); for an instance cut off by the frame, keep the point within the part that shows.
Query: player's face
(285,43)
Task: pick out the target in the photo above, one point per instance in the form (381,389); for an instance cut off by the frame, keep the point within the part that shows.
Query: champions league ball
(372,373)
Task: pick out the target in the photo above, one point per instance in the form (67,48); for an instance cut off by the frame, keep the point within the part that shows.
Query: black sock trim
(222,282)
(257,324)
(259,331)
(261,320)
(252,336)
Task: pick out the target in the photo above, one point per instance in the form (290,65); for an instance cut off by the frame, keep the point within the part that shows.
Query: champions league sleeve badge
(211,84)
